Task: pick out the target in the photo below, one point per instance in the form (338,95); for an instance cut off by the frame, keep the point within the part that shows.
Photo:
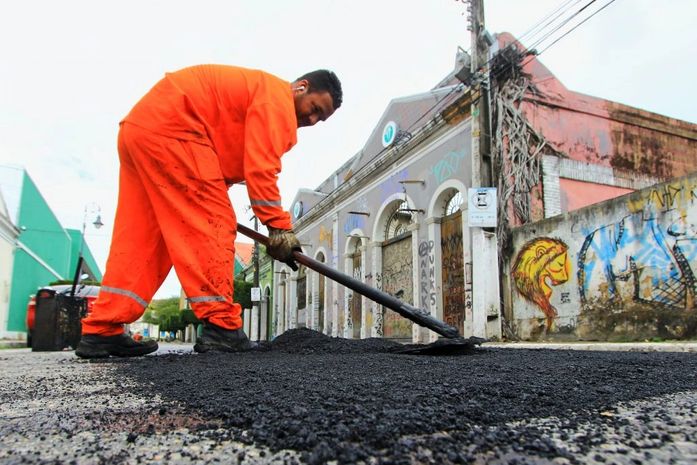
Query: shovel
(419,316)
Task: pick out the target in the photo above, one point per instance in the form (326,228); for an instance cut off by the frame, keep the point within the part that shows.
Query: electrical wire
(558,12)
(576,26)
(564,23)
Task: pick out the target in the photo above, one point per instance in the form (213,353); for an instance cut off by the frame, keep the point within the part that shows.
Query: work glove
(282,244)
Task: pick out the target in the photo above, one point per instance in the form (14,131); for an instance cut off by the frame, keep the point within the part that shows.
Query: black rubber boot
(122,345)
(223,340)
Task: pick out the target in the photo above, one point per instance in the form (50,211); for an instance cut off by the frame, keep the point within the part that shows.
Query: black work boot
(223,340)
(121,345)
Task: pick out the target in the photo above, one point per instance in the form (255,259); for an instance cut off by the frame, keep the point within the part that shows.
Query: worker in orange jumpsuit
(195,133)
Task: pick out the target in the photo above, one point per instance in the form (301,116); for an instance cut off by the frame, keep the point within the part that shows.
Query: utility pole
(483,282)
(256,305)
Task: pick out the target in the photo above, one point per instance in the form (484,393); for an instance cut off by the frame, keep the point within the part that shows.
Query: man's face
(312,107)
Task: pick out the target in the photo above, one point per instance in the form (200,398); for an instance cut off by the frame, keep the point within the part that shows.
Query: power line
(564,6)
(564,23)
(576,26)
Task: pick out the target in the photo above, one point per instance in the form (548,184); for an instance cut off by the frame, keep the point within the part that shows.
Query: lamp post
(97,223)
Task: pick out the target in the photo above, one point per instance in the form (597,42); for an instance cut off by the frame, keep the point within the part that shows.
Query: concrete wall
(622,269)
(8,240)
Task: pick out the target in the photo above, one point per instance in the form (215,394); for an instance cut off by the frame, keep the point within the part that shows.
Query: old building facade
(395,215)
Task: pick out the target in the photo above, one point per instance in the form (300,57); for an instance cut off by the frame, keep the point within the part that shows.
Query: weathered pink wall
(587,129)
(576,194)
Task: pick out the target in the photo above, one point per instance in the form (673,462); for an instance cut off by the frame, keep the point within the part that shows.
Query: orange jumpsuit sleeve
(269,133)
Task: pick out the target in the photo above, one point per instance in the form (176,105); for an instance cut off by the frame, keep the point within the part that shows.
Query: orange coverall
(196,132)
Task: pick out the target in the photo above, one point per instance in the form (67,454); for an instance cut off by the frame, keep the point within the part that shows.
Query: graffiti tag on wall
(540,264)
(641,259)
(448,166)
(325,235)
(427,274)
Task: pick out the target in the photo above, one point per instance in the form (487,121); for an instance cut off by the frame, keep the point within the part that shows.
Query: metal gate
(453,270)
(356,298)
(397,280)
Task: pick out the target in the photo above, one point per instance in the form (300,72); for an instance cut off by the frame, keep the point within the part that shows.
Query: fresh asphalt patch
(359,401)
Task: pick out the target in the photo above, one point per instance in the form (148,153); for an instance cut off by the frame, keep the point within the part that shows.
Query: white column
(348,294)
(335,285)
(365,327)
(376,269)
(293,303)
(314,313)
(417,331)
(468,329)
(254,323)
(433,255)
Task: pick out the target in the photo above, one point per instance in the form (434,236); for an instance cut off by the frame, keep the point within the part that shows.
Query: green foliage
(166,314)
(243,293)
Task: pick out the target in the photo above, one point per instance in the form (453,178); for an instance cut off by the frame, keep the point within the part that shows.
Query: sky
(72,69)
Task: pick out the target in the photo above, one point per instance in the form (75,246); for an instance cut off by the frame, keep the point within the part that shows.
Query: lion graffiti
(541,264)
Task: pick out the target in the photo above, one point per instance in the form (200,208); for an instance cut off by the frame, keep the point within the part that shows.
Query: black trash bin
(57,321)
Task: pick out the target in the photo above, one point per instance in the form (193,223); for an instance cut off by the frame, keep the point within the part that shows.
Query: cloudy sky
(72,69)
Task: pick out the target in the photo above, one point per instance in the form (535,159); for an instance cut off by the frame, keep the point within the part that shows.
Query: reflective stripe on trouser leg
(138,260)
(192,208)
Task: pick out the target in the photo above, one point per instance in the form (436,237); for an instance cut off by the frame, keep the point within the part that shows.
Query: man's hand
(282,243)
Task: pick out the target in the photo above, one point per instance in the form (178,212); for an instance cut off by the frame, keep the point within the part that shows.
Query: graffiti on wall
(540,264)
(354,222)
(378,324)
(325,235)
(427,274)
(642,259)
(454,290)
(447,166)
(397,280)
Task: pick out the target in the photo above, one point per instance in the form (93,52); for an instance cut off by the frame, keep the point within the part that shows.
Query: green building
(44,251)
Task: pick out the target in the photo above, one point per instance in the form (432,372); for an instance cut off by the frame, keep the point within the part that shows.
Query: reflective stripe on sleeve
(206,298)
(266,203)
(132,295)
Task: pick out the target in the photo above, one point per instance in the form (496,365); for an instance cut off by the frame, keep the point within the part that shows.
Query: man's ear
(302,85)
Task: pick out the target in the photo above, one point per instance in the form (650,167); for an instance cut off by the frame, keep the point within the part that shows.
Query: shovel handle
(417,315)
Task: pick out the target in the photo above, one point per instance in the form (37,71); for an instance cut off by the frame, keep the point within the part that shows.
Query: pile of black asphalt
(354,401)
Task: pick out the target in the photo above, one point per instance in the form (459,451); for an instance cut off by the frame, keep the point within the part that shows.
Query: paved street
(314,401)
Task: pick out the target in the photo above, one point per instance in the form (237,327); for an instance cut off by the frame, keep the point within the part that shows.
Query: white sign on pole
(256,294)
(481,207)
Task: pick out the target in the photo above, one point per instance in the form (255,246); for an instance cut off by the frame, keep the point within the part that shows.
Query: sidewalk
(673,346)
(12,344)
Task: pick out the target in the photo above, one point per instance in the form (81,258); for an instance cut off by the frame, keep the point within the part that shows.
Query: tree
(166,314)
(243,293)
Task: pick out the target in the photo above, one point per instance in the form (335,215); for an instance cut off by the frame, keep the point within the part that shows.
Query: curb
(601,346)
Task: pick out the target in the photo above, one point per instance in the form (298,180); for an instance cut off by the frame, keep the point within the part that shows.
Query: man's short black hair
(323,80)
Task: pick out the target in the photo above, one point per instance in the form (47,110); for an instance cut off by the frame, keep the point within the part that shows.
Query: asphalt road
(313,399)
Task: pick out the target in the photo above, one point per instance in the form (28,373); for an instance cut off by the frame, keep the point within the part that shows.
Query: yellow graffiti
(675,195)
(325,235)
(541,264)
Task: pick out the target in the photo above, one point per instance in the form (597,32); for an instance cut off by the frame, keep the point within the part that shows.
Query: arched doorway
(453,267)
(397,269)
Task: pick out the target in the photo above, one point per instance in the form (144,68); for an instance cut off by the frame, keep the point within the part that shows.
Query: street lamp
(97,223)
